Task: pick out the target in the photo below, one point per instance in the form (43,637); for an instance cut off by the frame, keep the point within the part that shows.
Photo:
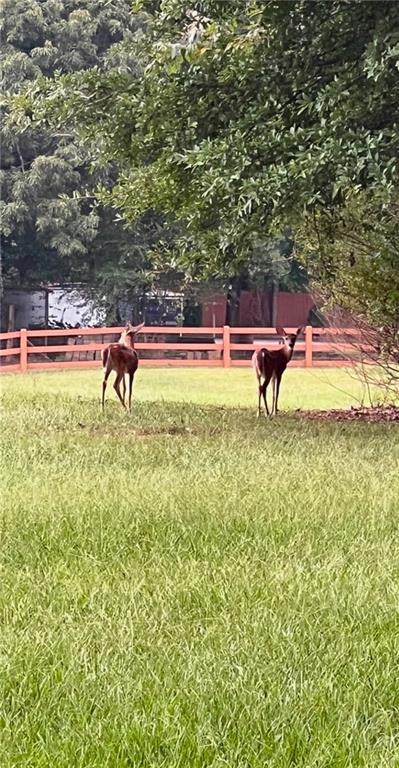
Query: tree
(354,258)
(250,117)
(52,227)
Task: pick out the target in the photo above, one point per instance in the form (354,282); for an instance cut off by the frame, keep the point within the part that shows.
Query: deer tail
(258,363)
(265,353)
(104,357)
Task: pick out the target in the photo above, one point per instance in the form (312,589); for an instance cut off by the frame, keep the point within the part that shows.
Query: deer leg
(259,395)
(123,388)
(258,378)
(118,379)
(274,395)
(105,379)
(131,377)
(278,380)
(264,388)
(264,392)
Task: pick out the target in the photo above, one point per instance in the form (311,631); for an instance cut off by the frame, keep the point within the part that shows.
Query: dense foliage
(53,229)
(244,118)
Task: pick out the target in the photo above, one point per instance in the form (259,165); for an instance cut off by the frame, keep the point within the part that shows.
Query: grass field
(188,586)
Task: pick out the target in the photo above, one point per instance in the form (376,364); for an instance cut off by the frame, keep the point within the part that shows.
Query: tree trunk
(238,283)
(11,318)
(10,326)
(274,303)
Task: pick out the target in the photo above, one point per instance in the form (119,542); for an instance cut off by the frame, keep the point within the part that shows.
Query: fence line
(224,347)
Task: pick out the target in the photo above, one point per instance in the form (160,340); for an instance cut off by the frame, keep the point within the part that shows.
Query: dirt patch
(377,414)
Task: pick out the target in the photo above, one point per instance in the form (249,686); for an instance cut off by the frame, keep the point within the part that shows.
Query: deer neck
(126,340)
(288,352)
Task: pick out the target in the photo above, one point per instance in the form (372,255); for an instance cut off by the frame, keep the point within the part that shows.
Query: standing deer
(271,364)
(122,358)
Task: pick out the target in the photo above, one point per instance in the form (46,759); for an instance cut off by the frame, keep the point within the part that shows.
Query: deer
(122,358)
(271,364)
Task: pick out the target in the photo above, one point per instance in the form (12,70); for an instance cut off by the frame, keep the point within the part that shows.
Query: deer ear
(280,331)
(138,328)
(300,330)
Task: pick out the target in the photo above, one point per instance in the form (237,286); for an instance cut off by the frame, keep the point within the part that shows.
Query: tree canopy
(53,229)
(244,118)
(248,113)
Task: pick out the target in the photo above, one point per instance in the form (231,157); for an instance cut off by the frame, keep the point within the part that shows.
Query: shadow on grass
(164,418)
(185,420)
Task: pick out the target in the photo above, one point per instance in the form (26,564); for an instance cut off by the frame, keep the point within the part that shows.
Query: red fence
(220,347)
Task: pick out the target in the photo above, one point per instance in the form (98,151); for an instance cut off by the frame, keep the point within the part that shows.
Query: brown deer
(122,358)
(271,364)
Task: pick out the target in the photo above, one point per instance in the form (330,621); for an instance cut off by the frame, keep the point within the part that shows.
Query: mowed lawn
(187,586)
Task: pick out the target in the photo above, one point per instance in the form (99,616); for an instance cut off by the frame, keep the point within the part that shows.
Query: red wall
(293,308)
(255,309)
(214,310)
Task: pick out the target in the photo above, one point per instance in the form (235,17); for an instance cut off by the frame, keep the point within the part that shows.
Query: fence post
(226,346)
(23,343)
(308,346)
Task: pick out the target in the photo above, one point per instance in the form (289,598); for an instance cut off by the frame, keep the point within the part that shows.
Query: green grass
(188,586)
(300,388)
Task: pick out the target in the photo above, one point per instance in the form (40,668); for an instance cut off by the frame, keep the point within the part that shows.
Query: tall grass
(188,586)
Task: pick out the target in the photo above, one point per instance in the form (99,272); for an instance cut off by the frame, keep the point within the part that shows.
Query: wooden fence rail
(225,347)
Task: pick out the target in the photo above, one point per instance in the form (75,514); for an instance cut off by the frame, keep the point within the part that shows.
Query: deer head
(133,329)
(288,339)
(127,336)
